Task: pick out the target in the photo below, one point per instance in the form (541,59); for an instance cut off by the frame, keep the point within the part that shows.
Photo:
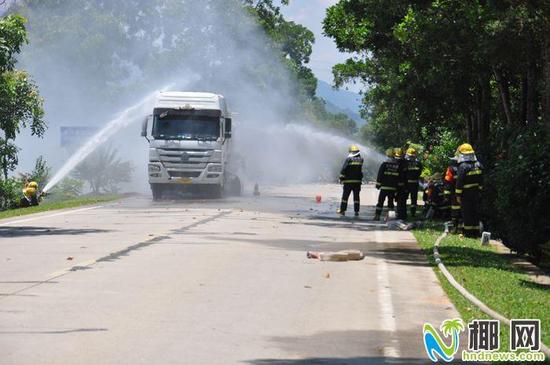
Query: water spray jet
(128,116)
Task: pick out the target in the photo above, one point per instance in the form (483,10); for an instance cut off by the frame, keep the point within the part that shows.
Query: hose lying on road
(484,308)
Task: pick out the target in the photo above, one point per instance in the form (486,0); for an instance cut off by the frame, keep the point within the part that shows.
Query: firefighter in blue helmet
(469,184)
(351,176)
(386,182)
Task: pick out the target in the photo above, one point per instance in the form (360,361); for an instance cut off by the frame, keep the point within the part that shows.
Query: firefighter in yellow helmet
(468,188)
(30,195)
(414,169)
(402,191)
(386,182)
(351,176)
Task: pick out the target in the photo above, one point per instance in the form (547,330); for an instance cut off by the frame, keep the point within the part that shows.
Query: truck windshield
(186,127)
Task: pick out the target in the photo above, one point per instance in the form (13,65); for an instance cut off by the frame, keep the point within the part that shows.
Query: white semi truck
(190,145)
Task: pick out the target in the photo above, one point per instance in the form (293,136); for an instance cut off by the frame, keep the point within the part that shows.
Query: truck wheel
(233,186)
(157,192)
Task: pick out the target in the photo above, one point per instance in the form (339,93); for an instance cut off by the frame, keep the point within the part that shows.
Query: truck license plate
(185,180)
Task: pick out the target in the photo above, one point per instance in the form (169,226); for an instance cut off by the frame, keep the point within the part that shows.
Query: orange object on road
(318,198)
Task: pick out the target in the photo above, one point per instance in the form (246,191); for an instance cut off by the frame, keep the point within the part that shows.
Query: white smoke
(92,59)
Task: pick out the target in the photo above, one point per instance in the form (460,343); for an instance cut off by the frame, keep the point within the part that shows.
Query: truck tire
(157,192)
(233,186)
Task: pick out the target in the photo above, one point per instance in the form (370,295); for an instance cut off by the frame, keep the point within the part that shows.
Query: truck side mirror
(228,123)
(144,126)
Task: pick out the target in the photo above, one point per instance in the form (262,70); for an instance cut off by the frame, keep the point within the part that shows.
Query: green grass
(491,277)
(55,205)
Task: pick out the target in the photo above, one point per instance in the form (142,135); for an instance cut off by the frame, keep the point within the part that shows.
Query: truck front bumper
(211,175)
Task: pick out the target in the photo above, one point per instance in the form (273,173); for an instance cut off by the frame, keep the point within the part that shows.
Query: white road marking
(385,302)
(72,211)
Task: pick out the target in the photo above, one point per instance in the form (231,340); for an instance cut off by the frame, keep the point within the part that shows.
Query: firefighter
(401,184)
(450,194)
(438,207)
(352,177)
(30,195)
(386,182)
(469,184)
(414,169)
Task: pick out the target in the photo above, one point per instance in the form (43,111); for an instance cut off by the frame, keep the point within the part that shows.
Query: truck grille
(185,157)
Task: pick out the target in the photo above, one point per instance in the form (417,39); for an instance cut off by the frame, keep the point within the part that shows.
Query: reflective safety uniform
(450,194)
(414,169)
(469,184)
(402,191)
(30,197)
(351,176)
(386,182)
(436,199)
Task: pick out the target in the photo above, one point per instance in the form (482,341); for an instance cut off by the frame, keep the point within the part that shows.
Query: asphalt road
(213,282)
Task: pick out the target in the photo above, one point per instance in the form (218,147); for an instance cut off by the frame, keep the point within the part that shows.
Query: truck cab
(190,143)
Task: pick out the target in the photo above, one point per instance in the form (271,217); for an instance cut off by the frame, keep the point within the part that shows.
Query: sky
(311,13)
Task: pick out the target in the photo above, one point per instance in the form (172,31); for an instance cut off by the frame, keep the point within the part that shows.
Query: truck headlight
(154,168)
(215,168)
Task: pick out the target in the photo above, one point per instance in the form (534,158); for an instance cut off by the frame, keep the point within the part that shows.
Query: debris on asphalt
(345,255)
(307,286)
(70,258)
(327,275)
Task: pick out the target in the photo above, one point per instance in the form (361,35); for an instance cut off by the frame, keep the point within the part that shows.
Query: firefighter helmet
(353,148)
(29,192)
(33,185)
(411,152)
(389,152)
(465,149)
(398,152)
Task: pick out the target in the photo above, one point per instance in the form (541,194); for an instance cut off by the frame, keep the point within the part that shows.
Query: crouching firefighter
(30,195)
(414,169)
(469,184)
(352,177)
(386,182)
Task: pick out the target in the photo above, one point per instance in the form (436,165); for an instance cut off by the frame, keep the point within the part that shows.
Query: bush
(516,199)
(67,188)
(41,172)
(10,193)
(104,171)
(437,157)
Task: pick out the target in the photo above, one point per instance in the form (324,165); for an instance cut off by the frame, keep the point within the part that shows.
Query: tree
(20,104)
(439,72)
(120,48)
(104,171)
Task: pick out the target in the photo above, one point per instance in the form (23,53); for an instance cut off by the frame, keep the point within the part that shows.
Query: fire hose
(484,308)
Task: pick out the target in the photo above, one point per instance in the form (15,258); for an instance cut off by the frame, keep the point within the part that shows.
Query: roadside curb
(482,306)
(56,212)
